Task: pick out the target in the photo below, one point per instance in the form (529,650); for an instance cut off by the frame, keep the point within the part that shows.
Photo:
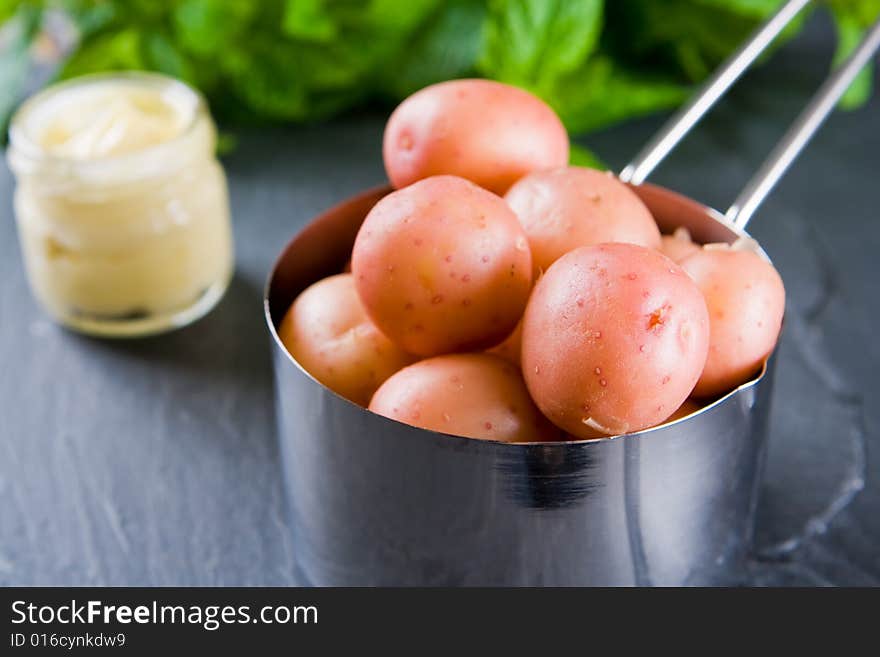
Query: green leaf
(864,12)
(447,47)
(394,18)
(112,51)
(285,77)
(849,33)
(8,9)
(254,79)
(603,93)
(291,82)
(756,8)
(852,18)
(533,43)
(684,37)
(15,61)
(581,156)
(91,18)
(210,27)
(163,56)
(309,20)
(595,62)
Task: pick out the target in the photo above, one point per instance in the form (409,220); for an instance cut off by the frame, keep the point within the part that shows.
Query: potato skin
(473,395)
(511,348)
(614,339)
(442,266)
(488,132)
(679,245)
(688,407)
(746,300)
(327,332)
(567,208)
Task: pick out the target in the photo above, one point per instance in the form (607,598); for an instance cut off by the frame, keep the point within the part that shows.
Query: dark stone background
(154,462)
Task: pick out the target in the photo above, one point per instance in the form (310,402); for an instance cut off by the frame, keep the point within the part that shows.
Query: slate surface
(154,462)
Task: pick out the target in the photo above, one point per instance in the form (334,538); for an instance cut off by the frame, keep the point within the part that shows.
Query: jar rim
(25,144)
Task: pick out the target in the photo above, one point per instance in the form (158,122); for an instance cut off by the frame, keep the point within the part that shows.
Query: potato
(472,395)
(442,266)
(689,407)
(488,132)
(746,301)
(327,332)
(679,245)
(614,339)
(566,208)
(511,347)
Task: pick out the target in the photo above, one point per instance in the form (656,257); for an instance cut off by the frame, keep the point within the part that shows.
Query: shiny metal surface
(376,502)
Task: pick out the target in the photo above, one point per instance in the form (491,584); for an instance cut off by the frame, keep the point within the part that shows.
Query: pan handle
(672,132)
(802,130)
(794,140)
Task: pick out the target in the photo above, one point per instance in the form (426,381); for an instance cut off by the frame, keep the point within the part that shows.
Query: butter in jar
(121,205)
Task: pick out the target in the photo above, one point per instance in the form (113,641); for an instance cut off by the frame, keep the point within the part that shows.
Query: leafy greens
(596,62)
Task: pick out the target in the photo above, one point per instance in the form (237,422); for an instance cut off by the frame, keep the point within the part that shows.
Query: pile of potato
(501,294)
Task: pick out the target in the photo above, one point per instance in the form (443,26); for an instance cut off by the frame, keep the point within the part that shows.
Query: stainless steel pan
(376,502)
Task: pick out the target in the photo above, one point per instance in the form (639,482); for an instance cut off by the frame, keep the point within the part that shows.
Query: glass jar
(121,205)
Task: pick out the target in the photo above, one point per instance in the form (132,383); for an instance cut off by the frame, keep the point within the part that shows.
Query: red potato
(614,339)
(488,132)
(511,347)
(442,266)
(472,395)
(327,332)
(746,300)
(689,407)
(567,208)
(679,245)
